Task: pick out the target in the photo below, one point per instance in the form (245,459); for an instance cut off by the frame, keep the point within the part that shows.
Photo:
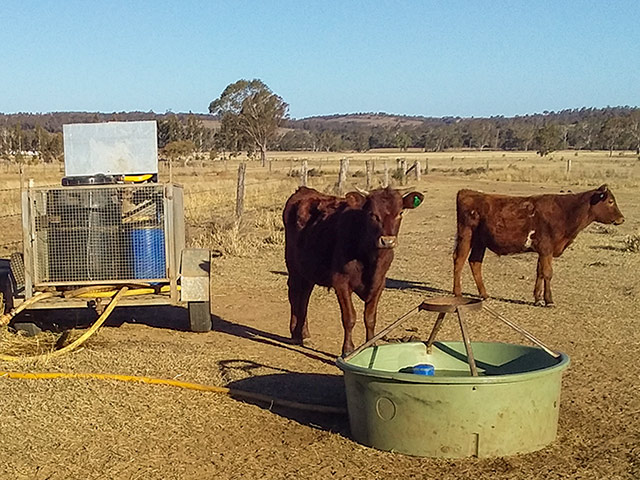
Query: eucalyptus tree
(250,108)
(403,141)
(548,139)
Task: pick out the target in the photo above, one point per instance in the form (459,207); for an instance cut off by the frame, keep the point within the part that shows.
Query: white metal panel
(114,148)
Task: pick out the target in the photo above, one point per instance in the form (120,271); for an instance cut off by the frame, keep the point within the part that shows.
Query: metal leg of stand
(435,330)
(467,343)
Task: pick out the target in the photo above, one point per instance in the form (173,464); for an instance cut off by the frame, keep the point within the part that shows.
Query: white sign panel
(114,148)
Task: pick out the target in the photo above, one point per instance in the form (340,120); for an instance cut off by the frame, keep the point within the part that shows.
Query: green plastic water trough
(510,407)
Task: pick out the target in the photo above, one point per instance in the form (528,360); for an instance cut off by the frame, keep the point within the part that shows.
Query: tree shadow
(395,284)
(312,389)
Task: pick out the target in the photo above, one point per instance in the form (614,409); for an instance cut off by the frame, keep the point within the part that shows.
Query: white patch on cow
(529,241)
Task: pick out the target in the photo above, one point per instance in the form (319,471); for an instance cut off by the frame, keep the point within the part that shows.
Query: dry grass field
(90,429)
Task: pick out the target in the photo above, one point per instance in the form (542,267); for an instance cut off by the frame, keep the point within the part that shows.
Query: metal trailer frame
(187,270)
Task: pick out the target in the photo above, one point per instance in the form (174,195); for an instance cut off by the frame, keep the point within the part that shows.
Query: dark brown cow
(345,243)
(546,224)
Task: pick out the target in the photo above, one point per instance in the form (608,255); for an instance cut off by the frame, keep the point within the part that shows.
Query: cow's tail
(466,211)
(467,215)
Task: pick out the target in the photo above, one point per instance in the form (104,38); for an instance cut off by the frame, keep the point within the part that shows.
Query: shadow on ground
(395,284)
(59,319)
(311,389)
(268,338)
(167,317)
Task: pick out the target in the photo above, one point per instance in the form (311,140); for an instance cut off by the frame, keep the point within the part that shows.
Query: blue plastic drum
(149,259)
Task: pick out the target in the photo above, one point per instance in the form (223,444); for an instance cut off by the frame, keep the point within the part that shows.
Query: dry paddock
(90,429)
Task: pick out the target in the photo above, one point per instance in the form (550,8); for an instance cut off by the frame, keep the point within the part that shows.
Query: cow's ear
(599,195)
(412,200)
(355,199)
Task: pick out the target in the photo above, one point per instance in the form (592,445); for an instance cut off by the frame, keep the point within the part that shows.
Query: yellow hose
(6,318)
(77,342)
(132,378)
(177,383)
(132,292)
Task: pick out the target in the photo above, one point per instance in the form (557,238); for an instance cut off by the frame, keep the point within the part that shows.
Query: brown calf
(341,242)
(546,224)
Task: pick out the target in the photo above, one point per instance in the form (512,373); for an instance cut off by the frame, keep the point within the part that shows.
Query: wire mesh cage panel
(98,234)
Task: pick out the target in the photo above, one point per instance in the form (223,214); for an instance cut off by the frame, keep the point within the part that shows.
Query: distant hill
(53,121)
(609,128)
(364,119)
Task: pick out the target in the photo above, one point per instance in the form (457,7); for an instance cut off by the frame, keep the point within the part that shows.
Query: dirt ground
(90,429)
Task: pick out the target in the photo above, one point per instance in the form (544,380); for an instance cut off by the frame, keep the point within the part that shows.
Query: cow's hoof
(550,305)
(538,303)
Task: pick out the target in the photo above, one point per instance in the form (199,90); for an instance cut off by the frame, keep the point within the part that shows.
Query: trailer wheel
(199,316)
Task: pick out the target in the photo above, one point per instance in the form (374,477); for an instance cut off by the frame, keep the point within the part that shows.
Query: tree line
(249,118)
(611,128)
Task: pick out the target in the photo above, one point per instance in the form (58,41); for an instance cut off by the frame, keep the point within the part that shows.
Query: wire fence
(252,189)
(212,187)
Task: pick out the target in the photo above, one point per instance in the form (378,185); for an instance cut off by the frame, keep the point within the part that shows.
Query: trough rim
(562,363)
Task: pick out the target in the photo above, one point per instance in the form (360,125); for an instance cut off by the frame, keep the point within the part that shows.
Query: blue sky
(432,58)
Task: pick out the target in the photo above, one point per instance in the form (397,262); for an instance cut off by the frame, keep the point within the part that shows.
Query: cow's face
(384,209)
(604,207)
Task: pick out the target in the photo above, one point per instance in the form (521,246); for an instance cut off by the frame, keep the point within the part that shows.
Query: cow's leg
(460,254)
(475,262)
(547,271)
(299,294)
(543,281)
(371,313)
(343,292)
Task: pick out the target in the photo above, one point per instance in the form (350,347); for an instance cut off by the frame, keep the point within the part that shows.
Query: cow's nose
(619,221)
(387,241)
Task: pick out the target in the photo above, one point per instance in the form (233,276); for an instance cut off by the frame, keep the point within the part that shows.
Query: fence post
(368,170)
(426,166)
(386,173)
(304,173)
(342,176)
(568,167)
(401,166)
(418,172)
(242,168)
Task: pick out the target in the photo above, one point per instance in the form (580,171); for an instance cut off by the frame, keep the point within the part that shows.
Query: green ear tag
(416,201)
